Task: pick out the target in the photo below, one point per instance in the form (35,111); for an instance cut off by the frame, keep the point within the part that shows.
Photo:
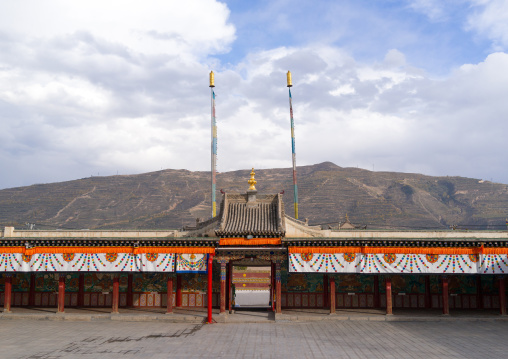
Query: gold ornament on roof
(252,182)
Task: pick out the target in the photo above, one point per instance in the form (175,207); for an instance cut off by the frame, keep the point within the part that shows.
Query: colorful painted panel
(192,282)
(462,284)
(490,285)
(191,263)
(349,283)
(303,282)
(150,282)
(21,282)
(47,282)
(98,282)
(435,284)
(408,284)
(72,282)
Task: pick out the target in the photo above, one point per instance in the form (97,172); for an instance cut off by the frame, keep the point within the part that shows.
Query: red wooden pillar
(210,279)
(278,299)
(116,293)
(61,293)
(325,290)
(81,290)
(332,294)
(222,285)
(178,301)
(31,293)
(130,285)
(446,304)
(7,292)
(230,286)
(479,292)
(427,292)
(389,310)
(376,291)
(169,309)
(502,296)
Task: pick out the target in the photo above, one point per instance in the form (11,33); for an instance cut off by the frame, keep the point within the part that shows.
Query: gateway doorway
(252,286)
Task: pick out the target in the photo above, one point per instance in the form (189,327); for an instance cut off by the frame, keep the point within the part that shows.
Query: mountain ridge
(175,198)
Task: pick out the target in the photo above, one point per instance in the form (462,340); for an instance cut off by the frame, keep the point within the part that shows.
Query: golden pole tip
(212,79)
(290,82)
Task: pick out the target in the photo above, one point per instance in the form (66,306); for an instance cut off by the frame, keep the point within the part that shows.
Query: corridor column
(61,293)
(169,308)
(278,295)
(116,293)
(446,306)
(502,296)
(7,292)
(389,310)
(332,294)
(210,278)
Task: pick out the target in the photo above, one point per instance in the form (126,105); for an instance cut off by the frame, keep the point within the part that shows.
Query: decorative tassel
(88,250)
(183,250)
(249,242)
(399,250)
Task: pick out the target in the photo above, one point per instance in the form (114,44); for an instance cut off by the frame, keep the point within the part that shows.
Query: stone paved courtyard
(331,339)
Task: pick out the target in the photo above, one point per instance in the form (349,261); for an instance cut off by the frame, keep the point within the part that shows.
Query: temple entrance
(252,286)
(252,283)
(250,278)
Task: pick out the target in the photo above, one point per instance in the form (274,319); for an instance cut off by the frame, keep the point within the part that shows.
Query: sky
(99,88)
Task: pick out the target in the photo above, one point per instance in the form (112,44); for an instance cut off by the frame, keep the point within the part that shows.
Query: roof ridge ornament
(252,181)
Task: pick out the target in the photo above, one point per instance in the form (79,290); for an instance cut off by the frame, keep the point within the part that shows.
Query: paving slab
(325,339)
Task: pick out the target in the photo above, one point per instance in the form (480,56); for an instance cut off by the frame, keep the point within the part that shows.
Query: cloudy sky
(121,86)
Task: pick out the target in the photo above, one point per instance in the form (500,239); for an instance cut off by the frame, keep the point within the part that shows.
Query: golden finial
(347,218)
(212,79)
(252,182)
(290,82)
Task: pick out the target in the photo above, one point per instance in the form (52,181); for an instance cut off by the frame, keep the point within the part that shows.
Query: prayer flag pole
(214,144)
(295,187)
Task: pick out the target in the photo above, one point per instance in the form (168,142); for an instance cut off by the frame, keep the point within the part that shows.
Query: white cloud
(85,95)
(490,19)
(433,9)
(359,114)
(197,27)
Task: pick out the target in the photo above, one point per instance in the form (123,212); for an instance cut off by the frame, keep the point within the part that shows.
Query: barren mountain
(174,198)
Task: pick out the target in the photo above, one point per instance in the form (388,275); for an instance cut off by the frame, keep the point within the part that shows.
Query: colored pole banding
(214,152)
(293,149)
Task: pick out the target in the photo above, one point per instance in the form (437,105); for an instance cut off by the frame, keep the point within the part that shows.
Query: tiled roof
(240,218)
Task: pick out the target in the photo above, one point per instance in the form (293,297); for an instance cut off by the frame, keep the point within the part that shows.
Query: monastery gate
(309,267)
